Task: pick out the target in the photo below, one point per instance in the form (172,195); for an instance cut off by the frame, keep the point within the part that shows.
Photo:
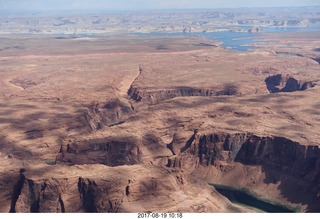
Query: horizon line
(154,9)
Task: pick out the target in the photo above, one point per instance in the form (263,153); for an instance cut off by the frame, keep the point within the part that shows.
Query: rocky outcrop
(181,142)
(111,113)
(31,196)
(156,96)
(110,152)
(286,83)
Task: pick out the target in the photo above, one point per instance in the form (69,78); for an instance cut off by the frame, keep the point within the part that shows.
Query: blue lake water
(239,41)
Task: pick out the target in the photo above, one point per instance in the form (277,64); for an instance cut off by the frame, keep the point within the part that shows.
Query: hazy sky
(146,4)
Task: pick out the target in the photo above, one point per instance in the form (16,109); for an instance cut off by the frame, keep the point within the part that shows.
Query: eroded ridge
(154,96)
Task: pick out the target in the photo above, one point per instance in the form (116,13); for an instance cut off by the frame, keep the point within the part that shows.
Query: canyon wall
(274,167)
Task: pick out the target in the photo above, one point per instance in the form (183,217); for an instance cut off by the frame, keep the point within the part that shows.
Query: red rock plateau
(143,124)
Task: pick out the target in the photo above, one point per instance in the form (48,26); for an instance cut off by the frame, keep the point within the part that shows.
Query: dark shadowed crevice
(188,143)
(317,60)
(110,206)
(63,210)
(35,205)
(87,195)
(127,190)
(17,191)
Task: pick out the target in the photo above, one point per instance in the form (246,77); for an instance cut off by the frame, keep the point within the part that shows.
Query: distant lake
(239,41)
(289,29)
